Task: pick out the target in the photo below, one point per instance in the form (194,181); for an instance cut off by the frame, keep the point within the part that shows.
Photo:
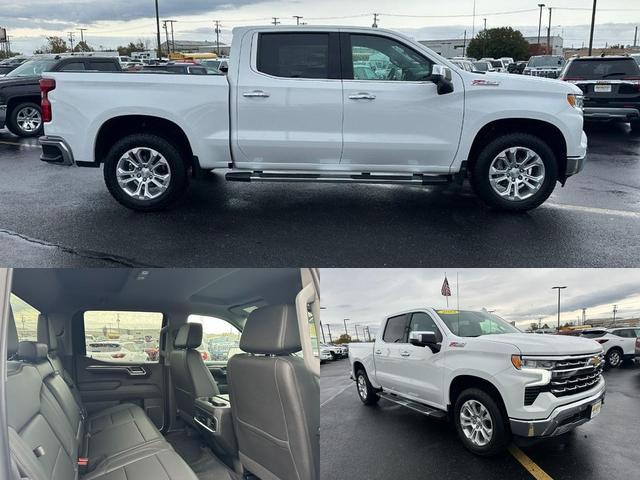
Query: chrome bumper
(3,115)
(604,113)
(575,165)
(563,419)
(55,150)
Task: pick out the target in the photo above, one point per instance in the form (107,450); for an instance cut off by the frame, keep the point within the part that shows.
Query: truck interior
(126,374)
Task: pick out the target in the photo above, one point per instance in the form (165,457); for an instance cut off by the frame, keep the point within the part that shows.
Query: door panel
(388,354)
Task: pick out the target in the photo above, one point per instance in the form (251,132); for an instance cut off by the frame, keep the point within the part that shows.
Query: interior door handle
(256,94)
(362,96)
(405,354)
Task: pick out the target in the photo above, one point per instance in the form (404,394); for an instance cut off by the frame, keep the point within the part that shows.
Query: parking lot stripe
(529,464)
(601,211)
(334,396)
(20,144)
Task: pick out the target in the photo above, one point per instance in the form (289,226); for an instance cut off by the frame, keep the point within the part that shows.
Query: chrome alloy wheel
(614,358)
(143,173)
(362,387)
(516,173)
(28,119)
(476,423)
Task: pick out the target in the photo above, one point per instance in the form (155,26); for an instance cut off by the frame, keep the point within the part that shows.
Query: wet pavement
(59,216)
(390,441)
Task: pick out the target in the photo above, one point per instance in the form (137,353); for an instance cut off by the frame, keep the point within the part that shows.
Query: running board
(415,179)
(418,407)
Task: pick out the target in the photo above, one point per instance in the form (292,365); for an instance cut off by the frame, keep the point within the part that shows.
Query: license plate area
(595,409)
(602,88)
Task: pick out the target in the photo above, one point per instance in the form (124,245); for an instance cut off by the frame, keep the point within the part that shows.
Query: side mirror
(441,76)
(224,68)
(425,339)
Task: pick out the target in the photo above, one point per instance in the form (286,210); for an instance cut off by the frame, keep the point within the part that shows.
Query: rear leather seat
(49,432)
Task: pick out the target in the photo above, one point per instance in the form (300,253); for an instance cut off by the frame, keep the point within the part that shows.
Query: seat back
(190,376)
(274,399)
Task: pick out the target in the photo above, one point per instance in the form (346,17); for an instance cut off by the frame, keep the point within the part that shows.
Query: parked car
(111,350)
(517,67)
(548,66)
(20,108)
(219,65)
(325,354)
(263,124)
(636,57)
(611,87)
(334,350)
(483,66)
(617,348)
(490,379)
(464,64)
(498,65)
(179,68)
(9,64)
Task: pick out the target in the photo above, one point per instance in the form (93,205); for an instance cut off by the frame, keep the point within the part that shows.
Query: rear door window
(122,337)
(220,339)
(72,67)
(395,330)
(294,55)
(103,66)
(26,318)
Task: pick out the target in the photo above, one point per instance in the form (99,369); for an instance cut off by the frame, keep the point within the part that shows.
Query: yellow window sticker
(447,312)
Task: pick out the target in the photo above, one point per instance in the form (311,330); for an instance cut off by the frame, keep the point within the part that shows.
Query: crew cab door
(288,100)
(394,119)
(388,351)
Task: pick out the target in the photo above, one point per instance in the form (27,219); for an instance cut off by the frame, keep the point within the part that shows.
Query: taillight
(117,355)
(602,340)
(638,343)
(635,81)
(46,85)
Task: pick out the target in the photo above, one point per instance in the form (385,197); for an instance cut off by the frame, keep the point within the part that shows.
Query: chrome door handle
(405,354)
(256,93)
(378,352)
(362,96)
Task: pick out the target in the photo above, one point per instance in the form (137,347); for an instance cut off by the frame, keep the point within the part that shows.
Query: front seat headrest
(32,351)
(46,334)
(272,330)
(189,336)
(12,336)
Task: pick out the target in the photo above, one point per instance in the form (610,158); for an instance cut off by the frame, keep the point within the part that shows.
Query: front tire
(366,392)
(614,358)
(515,172)
(25,120)
(480,423)
(145,172)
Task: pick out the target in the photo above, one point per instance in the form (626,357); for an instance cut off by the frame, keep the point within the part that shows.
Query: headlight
(521,363)
(575,100)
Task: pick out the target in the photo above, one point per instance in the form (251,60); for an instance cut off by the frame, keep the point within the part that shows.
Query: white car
(325,354)
(491,379)
(110,351)
(306,119)
(619,344)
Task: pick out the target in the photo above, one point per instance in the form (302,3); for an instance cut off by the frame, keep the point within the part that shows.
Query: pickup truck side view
(320,104)
(472,367)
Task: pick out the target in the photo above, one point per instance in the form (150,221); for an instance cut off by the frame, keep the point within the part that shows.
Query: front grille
(531,393)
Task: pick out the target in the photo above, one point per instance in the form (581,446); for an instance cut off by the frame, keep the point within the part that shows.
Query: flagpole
(458,291)
(445,277)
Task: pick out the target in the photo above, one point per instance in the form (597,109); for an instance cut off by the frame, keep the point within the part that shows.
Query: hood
(509,81)
(542,344)
(10,81)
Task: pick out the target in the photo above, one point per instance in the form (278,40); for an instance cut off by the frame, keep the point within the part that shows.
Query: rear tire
(489,419)
(366,392)
(547,168)
(25,120)
(158,192)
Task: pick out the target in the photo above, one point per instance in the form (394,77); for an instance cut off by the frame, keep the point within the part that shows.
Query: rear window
(122,337)
(395,329)
(593,334)
(294,55)
(602,69)
(26,318)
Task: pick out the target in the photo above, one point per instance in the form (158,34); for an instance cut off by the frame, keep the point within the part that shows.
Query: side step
(333,177)
(418,407)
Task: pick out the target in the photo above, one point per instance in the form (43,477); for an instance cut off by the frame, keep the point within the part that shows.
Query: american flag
(445,290)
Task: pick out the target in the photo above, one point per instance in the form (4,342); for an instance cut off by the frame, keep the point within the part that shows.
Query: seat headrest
(12,336)
(32,351)
(46,334)
(189,336)
(272,330)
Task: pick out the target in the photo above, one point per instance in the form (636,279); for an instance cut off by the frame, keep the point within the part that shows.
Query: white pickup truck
(321,104)
(474,368)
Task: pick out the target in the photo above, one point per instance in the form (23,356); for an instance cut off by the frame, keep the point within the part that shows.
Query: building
(191,46)
(457,47)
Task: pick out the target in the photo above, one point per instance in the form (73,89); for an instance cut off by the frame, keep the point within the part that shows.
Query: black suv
(611,87)
(20,89)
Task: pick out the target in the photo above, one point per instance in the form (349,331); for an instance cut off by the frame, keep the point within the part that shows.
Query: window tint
(220,339)
(395,330)
(422,322)
(72,67)
(386,59)
(197,70)
(626,333)
(26,318)
(122,337)
(103,66)
(294,55)
(602,69)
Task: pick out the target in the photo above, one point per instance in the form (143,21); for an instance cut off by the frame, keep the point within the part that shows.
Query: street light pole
(322,330)
(158,31)
(357,338)
(549,35)
(593,22)
(541,5)
(345,326)
(329,330)
(558,288)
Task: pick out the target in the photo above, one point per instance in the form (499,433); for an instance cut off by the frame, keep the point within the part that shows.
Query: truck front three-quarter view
(308,104)
(491,380)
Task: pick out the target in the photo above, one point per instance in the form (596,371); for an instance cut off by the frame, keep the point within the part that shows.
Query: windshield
(33,67)
(602,69)
(546,61)
(467,323)
(481,66)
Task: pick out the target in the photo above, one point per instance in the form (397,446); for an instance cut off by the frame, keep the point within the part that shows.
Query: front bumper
(3,115)
(576,164)
(55,150)
(611,114)
(561,420)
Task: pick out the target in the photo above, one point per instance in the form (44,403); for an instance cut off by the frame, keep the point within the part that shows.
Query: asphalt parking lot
(58,216)
(390,441)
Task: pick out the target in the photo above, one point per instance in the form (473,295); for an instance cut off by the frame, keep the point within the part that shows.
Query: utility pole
(615,310)
(541,5)
(166,35)
(635,38)
(275,21)
(322,330)
(71,40)
(82,30)
(549,35)
(473,21)
(357,338)
(375,20)
(484,46)
(558,288)
(217,22)
(464,43)
(158,31)
(584,316)
(298,18)
(345,326)
(173,43)
(329,330)
(593,22)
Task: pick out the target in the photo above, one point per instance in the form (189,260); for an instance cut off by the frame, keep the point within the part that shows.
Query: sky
(366,296)
(115,22)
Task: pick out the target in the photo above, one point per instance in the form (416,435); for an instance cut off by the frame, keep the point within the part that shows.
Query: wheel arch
(462,382)
(13,102)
